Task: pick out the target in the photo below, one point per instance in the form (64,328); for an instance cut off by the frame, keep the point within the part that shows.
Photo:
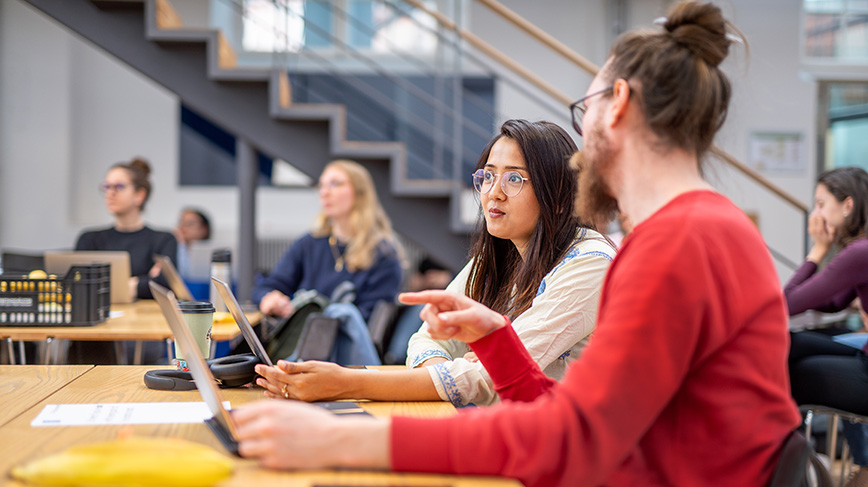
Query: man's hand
(452,315)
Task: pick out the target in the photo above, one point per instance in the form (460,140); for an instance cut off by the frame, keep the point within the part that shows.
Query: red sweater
(683,383)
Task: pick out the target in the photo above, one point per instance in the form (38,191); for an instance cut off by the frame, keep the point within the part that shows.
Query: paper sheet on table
(123,413)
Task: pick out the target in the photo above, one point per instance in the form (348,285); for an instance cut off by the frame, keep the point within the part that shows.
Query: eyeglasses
(330,185)
(511,182)
(117,188)
(579,108)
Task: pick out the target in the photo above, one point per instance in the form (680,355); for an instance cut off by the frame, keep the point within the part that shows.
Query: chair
(832,436)
(381,324)
(798,465)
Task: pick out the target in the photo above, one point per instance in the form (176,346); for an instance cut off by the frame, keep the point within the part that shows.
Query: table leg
(169,349)
(21,352)
(137,353)
(11,351)
(46,351)
(120,352)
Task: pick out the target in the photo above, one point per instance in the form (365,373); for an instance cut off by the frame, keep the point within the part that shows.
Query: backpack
(284,338)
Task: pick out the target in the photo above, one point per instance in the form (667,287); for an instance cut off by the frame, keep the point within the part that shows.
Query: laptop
(336,407)
(241,319)
(221,423)
(59,262)
(173,277)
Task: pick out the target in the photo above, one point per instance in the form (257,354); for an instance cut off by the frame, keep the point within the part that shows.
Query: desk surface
(22,387)
(141,320)
(22,443)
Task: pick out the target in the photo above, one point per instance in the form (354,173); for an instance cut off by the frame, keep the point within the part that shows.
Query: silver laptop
(173,277)
(59,262)
(240,318)
(221,423)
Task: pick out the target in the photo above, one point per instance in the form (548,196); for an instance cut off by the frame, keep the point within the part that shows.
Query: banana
(135,461)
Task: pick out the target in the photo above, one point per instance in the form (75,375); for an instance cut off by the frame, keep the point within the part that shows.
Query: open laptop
(221,423)
(241,319)
(336,407)
(173,277)
(59,262)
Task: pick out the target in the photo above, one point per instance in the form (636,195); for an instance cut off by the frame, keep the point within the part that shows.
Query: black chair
(799,466)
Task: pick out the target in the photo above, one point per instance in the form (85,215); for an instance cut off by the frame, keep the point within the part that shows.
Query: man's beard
(594,202)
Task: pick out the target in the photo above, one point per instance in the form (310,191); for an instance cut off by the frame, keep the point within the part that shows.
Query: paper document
(123,413)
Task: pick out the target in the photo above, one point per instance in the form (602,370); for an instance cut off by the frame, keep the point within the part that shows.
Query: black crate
(81,298)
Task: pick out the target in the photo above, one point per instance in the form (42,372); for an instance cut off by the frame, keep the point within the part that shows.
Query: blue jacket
(310,264)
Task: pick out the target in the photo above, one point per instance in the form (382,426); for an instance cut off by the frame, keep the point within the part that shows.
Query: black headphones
(231,371)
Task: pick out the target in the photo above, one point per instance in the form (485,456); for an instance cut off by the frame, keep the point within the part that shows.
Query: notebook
(173,277)
(221,423)
(59,262)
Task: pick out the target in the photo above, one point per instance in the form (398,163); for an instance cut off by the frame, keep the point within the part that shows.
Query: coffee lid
(196,307)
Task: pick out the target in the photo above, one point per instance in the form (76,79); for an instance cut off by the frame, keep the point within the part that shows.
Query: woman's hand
(822,234)
(275,303)
(290,435)
(306,381)
(452,315)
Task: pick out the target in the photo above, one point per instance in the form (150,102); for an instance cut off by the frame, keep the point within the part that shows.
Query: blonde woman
(352,241)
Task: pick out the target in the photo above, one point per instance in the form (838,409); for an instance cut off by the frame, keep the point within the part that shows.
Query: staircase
(256,106)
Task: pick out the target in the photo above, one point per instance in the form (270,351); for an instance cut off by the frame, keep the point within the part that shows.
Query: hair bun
(701,28)
(141,165)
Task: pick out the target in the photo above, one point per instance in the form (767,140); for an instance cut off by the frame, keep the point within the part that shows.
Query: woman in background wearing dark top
(352,241)
(127,187)
(822,370)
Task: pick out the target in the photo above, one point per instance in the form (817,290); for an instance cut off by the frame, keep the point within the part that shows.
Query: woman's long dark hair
(497,266)
(849,182)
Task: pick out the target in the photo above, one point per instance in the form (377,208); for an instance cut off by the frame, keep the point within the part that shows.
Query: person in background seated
(532,258)
(127,187)
(824,370)
(193,226)
(351,241)
(685,380)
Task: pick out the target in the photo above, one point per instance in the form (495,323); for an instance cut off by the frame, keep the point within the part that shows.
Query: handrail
(541,36)
(492,52)
(583,63)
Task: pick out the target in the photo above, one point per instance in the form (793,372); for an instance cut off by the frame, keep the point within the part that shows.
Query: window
(378,26)
(836,30)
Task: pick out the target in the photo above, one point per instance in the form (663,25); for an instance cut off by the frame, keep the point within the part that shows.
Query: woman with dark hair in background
(532,259)
(193,226)
(825,370)
(127,187)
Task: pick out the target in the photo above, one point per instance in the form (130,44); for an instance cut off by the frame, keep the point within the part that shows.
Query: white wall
(770,93)
(68,111)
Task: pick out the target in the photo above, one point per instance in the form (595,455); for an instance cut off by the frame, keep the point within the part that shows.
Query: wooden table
(22,387)
(140,321)
(19,442)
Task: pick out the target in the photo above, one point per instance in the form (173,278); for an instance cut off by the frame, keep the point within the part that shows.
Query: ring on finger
(285,392)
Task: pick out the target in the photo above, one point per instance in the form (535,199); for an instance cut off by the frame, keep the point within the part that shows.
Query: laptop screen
(202,376)
(246,329)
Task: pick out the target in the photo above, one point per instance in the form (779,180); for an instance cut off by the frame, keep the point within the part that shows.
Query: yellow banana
(136,461)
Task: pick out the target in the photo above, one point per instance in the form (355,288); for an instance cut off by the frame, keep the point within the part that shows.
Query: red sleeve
(586,426)
(516,376)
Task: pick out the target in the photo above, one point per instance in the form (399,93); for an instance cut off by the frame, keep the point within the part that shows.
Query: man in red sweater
(684,381)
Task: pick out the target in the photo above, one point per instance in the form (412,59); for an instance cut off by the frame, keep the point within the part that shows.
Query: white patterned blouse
(554,329)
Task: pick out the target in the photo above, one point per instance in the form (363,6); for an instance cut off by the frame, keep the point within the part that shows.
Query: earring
(846,214)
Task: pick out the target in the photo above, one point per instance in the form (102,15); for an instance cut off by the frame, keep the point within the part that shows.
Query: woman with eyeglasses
(532,259)
(127,188)
(352,241)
